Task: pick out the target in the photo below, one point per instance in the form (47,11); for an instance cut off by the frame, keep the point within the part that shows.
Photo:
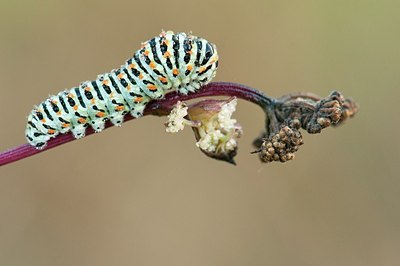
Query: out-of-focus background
(138,196)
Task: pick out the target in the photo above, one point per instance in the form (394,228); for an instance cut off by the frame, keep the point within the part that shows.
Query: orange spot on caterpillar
(70,95)
(140,76)
(43,120)
(175,71)
(152,87)
(167,54)
(189,67)
(146,52)
(51,131)
(92,101)
(87,89)
(131,66)
(120,76)
(152,64)
(163,79)
(120,108)
(65,125)
(105,82)
(100,114)
(82,120)
(138,99)
(128,88)
(75,107)
(202,69)
(58,113)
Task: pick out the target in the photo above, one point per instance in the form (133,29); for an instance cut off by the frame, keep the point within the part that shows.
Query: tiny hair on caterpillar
(166,62)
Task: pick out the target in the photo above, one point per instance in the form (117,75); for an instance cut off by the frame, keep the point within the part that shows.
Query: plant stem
(160,108)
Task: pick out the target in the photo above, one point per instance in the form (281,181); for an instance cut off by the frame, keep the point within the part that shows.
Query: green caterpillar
(166,62)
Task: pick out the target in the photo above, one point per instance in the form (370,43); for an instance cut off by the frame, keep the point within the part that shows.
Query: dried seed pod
(349,109)
(281,146)
(327,111)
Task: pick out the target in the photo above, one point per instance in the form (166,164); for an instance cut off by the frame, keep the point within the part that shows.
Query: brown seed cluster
(282,137)
(282,145)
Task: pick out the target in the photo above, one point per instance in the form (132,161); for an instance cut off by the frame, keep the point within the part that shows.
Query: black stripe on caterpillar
(166,62)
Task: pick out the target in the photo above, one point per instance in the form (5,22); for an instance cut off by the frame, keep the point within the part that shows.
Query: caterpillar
(167,62)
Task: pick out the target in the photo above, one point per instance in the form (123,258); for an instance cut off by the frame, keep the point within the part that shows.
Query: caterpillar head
(205,68)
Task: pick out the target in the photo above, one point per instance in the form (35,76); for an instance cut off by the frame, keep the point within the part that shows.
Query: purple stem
(160,108)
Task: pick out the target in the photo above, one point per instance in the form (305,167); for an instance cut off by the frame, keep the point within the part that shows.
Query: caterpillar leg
(117,109)
(137,111)
(117,119)
(188,88)
(97,125)
(79,130)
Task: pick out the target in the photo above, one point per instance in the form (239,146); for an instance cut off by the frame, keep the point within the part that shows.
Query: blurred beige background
(138,196)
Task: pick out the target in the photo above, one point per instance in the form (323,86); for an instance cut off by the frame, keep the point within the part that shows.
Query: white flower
(209,141)
(218,131)
(224,116)
(215,130)
(176,120)
(231,144)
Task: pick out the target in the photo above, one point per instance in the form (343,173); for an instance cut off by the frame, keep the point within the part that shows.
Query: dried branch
(284,117)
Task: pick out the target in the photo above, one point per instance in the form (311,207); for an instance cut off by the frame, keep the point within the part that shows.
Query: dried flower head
(292,112)
(282,145)
(349,109)
(327,111)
